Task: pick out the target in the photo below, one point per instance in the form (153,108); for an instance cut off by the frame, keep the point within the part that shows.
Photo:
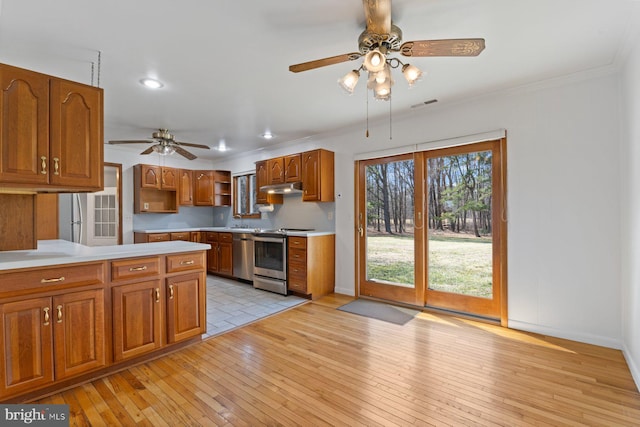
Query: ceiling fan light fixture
(349,81)
(164,150)
(411,73)
(374,61)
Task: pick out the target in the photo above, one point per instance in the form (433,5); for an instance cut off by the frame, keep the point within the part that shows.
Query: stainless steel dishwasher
(243,256)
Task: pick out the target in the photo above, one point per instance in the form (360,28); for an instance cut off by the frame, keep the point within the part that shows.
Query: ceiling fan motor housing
(369,41)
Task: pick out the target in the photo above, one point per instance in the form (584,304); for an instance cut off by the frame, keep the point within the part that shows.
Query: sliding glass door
(456,258)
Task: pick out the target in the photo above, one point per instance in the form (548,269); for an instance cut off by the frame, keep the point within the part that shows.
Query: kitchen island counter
(58,252)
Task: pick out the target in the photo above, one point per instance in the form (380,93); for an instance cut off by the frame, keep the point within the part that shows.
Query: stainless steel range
(270,259)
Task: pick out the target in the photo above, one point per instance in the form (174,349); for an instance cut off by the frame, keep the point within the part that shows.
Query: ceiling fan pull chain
(390,122)
(366,93)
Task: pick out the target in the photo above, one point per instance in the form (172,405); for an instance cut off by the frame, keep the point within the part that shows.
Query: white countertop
(57,252)
(231,230)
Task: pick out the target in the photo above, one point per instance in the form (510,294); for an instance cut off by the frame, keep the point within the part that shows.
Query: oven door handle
(269,239)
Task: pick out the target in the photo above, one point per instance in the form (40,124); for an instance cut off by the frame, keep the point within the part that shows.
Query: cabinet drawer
(188,261)
(59,276)
(132,268)
(210,237)
(297,242)
(158,237)
(186,236)
(297,256)
(225,237)
(295,284)
(298,271)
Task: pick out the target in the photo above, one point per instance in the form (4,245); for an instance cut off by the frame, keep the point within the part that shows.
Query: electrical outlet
(146,206)
(330,215)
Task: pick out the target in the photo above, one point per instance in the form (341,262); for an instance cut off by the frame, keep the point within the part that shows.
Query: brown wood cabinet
(150,237)
(262,178)
(18,223)
(154,189)
(203,188)
(185,187)
(276,170)
(49,336)
(292,168)
(51,132)
(186,309)
(63,324)
(311,265)
(47,216)
(136,318)
(318,176)
(220,256)
(222,188)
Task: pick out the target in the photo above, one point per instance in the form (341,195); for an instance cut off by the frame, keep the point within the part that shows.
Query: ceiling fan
(165,144)
(382,37)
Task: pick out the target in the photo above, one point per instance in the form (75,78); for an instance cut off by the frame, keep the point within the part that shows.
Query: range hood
(288,188)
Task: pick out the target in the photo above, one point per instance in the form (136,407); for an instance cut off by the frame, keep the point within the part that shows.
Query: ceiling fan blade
(324,62)
(188,144)
(148,150)
(184,152)
(130,142)
(446,47)
(378,16)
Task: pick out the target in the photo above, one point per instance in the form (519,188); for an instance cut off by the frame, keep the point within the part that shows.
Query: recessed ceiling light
(151,83)
(268,135)
(222,145)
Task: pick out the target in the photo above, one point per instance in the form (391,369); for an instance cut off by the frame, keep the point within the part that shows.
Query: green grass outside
(458,265)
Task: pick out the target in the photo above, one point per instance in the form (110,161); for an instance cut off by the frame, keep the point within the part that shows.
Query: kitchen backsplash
(293,213)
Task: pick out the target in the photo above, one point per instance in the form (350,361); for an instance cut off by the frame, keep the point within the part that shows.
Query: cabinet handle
(58,279)
(56,166)
(59,309)
(43,165)
(191,262)
(201,175)
(143,268)
(46,316)
(157,294)
(170,291)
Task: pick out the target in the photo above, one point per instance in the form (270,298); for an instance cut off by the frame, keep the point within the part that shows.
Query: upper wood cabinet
(276,170)
(51,132)
(317,176)
(149,192)
(185,187)
(292,168)
(212,188)
(262,178)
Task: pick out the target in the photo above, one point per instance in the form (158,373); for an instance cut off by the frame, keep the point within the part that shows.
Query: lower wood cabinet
(186,306)
(311,265)
(220,256)
(70,322)
(51,338)
(136,319)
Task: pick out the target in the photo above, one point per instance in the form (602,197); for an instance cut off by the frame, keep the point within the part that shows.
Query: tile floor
(231,304)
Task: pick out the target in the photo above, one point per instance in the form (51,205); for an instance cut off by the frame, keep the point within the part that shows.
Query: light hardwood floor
(314,365)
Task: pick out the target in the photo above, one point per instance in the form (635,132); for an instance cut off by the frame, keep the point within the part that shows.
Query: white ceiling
(225,63)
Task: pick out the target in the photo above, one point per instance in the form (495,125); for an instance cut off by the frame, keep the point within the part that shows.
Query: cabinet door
(276,170)
(169,179)
(136,319)
(76,139)
(262,178)
(292,168)
(24,126)
(212,257)
(150,176)
(203,188)
(26,359)
(225,261)
(185,188)
(79,332)
(311,176)
(186,309)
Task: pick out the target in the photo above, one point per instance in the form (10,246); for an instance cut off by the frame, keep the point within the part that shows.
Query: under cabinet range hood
(288,188)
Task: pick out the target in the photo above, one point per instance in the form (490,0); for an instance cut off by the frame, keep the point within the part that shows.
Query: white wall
(630,201)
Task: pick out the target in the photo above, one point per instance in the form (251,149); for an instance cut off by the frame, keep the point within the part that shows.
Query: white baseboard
(633,366)
(568,335)
(344,291)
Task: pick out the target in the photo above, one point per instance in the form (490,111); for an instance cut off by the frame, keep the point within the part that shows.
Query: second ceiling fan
(165,144)
(382,37)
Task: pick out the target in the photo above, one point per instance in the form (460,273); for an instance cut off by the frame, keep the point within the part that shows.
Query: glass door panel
(464,200)
(388,200)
